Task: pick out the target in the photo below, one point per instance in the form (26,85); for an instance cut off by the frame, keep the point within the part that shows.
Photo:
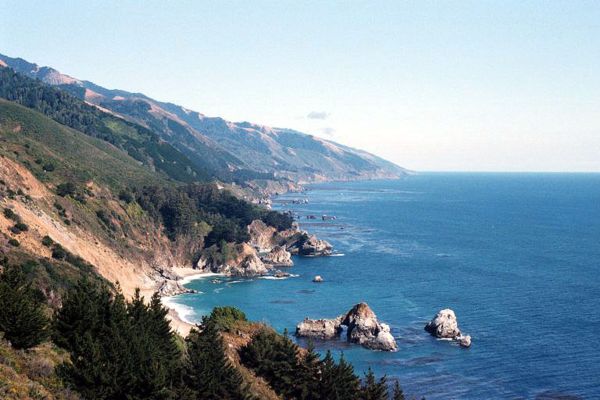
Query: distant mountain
(233,151)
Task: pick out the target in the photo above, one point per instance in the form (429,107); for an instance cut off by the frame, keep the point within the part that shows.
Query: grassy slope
(29,136)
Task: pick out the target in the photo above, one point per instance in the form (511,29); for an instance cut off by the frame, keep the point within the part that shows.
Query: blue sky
(486,85)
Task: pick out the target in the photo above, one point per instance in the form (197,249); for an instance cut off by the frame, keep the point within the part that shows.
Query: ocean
(516,256)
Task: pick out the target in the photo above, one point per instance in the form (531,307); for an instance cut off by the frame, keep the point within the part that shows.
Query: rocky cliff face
(362,328)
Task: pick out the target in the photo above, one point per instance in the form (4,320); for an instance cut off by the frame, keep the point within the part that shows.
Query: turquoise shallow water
(517,256)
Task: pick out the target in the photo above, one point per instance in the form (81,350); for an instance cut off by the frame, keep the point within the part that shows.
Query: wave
(183,311)
(195,277)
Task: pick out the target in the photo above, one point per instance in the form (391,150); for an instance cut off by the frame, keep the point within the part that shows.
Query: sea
(515,255)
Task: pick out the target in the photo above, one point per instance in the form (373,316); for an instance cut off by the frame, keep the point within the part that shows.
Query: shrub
(66,189)
(58,252)
(225,318)
(10,214)
(47,241)
(20,227)
(14,242)
(49,167)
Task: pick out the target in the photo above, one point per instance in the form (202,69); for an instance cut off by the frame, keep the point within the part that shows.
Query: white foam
(200,275)
(183,311)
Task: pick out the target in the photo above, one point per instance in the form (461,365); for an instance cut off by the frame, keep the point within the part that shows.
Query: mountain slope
(232,151)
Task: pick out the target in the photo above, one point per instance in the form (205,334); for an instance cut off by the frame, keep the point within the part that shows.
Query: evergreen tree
(208,373)
(22,317)
(338,380)
(373,389)
(126,351)
(275,358)
(398,394)
(308,375)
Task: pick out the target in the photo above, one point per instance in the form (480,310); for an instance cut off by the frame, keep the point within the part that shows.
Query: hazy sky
(486,85)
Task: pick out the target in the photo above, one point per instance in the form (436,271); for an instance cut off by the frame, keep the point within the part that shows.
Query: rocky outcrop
(262,236)
(318,279)
(243,262)
(445,326)
(278,257)
(320,328)
(363,328)
(315,247)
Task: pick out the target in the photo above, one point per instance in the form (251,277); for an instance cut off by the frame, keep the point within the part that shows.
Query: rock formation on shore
(278,257)
(362,328)
(445,326)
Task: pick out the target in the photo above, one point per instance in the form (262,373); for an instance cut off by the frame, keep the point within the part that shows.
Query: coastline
(179,313)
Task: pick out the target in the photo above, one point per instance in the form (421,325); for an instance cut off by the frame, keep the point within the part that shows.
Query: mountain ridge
(235,151)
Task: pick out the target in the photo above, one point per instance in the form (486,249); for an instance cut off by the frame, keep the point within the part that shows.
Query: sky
(429,85)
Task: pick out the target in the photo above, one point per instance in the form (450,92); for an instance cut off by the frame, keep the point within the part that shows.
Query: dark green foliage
(19,227)
(48,167)
(397,393)
(225,318)
(14,242)
(208,373)
(373,389)
(119,350)
(126,196)
(66,189)
(10,214)
(22,318)
(338,381)
(180,209)
(58,252)
(47,241)
(275,358)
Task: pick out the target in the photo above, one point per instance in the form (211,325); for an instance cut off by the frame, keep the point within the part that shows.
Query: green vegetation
(181,209)
(208,374)
(22,317)
(140,143)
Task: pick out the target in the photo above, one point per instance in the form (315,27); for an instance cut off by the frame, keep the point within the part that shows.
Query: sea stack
(445,326)
(317,279)
(363,328)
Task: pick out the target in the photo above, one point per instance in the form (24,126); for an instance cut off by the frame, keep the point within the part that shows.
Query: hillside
(232,151)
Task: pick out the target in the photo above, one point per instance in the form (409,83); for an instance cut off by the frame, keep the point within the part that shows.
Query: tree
(207,371)
(338,380)
(308,374)
(373,389)
(22,317)
(398,394)
(275,358)
(119,350)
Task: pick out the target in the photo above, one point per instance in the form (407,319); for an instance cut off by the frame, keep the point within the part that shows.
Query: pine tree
(308,375)
(275,358)
(373,389)
(398,394)
(338,381)
(22,317)
(207,371)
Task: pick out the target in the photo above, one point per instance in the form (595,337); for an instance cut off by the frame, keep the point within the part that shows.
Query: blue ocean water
(517,256)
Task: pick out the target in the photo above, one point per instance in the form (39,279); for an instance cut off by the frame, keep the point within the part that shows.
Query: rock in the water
(317,279)
(444,325)
(279,257)
(319,328)
(464,341)
(363,328)
(315,247)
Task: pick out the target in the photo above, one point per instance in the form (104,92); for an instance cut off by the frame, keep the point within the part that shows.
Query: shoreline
(179,313)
